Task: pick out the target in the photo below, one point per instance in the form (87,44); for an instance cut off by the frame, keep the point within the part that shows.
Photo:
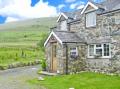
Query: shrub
(40,44)
(43,65)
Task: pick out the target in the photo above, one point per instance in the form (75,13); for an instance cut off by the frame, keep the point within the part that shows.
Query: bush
(40,44)
(43,65)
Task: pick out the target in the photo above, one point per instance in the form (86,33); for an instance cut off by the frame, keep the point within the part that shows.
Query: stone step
(48,74)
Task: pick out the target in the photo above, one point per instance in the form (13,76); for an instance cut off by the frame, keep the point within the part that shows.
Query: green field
(84,80)
(23,41)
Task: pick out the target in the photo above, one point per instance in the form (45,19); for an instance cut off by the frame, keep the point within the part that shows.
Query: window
(73,52)
(106,50)
(117,19)
(54,50)
(99,50)
(90,19)
(91,50)
(64,25)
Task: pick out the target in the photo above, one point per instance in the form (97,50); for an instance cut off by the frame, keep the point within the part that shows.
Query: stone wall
(104,27)
(60,56)
(66,64)
(48,49)
(76,64)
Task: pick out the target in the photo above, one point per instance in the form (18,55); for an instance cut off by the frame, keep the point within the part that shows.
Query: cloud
(61,6)
(11,19)
(98,1)
(73,6)
(69,1)
(16,10)
(80,7)
(77,5)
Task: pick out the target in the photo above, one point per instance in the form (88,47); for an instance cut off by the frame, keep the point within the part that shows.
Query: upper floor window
(114,19)
(117,19)
(90,19)
(63,25)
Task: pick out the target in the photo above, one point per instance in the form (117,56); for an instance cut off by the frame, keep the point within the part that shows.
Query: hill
(22,42)
(25,31)
(30,24)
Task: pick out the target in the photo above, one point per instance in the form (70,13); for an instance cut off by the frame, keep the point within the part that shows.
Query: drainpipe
(66,58)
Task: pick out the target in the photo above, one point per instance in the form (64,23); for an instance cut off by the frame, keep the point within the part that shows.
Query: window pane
(63,25)
(99,52)
(106,50)
(54,50)
(73,52)
(90,19)
(98,45)
(91,50)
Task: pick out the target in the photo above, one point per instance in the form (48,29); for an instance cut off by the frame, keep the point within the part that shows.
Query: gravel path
(17,78)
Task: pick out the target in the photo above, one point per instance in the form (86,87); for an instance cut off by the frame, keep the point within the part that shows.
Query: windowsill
(90,27)
(98,57)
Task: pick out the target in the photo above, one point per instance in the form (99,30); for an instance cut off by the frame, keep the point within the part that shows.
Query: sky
(16,10)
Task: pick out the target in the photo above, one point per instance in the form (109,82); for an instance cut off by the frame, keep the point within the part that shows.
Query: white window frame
(90,21)
(117,19)
(99,49)
(75,51)
(109,52)
(102,47)
(63,25)
(90,49)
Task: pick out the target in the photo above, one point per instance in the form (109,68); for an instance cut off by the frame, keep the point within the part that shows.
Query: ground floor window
(99,50)
(73,52)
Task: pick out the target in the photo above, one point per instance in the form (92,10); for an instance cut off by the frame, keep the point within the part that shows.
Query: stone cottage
(86,39)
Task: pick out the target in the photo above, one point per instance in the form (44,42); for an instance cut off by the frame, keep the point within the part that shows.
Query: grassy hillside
(30,24)
(29,30)
(21,41)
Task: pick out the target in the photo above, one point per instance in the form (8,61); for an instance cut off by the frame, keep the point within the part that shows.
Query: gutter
(74,42)
(109,12)
(73,21)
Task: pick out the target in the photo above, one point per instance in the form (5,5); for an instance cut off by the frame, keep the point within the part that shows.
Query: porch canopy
(65,37)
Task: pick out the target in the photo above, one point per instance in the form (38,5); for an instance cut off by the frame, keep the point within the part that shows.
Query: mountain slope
(22,42)
(31,24)
(28,31)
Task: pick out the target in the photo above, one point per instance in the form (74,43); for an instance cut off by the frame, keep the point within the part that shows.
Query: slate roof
(117,32)
(69,37)
(73,14)
(109,5)
(72,37)
(99,40)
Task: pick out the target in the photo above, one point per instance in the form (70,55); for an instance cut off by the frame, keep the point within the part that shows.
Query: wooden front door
(54,58)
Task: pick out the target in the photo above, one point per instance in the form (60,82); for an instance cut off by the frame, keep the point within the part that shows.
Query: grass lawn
(79,81)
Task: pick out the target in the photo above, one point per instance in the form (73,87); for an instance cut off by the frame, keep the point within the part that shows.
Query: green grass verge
(79,81)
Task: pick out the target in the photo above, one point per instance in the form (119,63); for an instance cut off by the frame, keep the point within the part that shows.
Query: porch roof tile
(69,37)
(116,32)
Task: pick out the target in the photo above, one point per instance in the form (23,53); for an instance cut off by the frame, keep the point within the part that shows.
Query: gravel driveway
(17,78)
